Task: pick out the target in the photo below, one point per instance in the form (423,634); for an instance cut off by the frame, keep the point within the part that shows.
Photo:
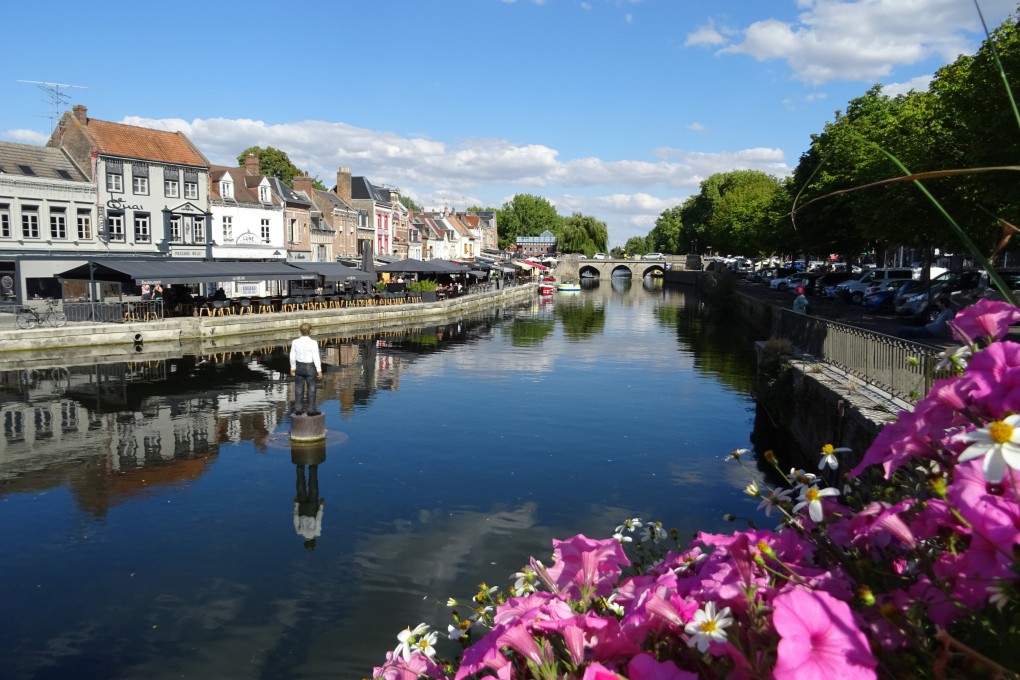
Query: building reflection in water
(114,431)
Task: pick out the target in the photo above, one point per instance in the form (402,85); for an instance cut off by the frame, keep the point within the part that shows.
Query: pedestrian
(800,303)
(937,327)
(305,368)
(157,292)
(146,291)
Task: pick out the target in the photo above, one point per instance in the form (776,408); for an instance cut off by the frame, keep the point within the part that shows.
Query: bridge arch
(572,267)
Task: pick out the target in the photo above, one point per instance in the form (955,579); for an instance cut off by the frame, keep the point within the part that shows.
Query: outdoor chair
(265,306)
(222,308)
(244,306)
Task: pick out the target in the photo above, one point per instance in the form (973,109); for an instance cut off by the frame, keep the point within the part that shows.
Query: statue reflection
(308,506)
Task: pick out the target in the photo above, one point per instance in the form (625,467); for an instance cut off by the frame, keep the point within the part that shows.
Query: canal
(148,506)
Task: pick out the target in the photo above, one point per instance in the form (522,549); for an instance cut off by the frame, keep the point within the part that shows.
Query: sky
(617,109)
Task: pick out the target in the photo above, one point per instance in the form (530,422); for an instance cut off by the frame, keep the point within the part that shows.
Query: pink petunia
(989,319)
(819,638)
(585,565)
(645,667)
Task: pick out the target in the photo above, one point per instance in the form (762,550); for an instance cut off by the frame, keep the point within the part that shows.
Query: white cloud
(705,35)
(27,137)
(919,84)
(696,127)
(865,40)
(627,194)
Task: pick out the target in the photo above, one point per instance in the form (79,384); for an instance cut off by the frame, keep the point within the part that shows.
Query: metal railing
(903,368)
(114,312)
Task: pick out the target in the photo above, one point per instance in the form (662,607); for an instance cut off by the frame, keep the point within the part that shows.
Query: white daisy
(999,443)
(708,626)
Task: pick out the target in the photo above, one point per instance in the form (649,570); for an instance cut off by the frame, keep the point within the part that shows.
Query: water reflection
(171,486)
(308,505)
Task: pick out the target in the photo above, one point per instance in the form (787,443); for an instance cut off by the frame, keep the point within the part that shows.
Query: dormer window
(264,194)
(226,189)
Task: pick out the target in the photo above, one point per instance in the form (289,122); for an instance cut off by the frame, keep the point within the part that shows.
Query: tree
(636,245)
(583,234)
(409,203)
(274,163)
(665,235)
(526,215)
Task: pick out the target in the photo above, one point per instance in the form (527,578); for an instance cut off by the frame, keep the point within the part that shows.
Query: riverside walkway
(52,346)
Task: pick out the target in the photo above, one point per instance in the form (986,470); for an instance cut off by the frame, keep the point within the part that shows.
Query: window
(143,232)
(226,189)
(115,226)
(5,221)
(264,194)
(295,231)
(199,229)
(175,229)
(140,186)
(265,231)
(58,223)
(114,182)
(84,225)
(172,188)
(30,222)
(228,229)
(191,190)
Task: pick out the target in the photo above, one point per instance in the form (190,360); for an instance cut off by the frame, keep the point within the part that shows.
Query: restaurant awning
(412,266)
(334,271)
(184,271)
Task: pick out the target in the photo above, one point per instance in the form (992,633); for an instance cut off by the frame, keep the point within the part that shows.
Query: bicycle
(30,318)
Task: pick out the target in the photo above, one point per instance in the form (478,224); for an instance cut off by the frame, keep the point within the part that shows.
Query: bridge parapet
(571,266)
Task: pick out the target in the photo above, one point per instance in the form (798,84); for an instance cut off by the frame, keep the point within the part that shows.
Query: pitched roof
(362,189)
(129,141)
(38,161)
(244,190)
(288,194)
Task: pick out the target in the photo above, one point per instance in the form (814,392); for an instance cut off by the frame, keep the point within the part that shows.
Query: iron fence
(114,312)
(903,368)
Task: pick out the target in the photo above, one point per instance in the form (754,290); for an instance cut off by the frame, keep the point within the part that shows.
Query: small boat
(545,288)
(569,287)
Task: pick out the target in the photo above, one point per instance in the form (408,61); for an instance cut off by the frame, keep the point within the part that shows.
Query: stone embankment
(81,342)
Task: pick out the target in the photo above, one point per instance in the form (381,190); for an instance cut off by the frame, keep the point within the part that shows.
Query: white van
(855,289)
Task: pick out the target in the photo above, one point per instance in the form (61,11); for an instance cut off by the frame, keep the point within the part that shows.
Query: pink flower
(985,319)
(597,671)
(645,667)
(586,565)
(819,638)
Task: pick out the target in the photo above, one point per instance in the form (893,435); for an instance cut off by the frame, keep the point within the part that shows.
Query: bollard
(306,428)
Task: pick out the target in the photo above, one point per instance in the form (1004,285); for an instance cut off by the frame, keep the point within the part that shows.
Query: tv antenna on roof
(55,95)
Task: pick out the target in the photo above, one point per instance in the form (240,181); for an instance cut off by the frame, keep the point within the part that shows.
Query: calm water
(147,508)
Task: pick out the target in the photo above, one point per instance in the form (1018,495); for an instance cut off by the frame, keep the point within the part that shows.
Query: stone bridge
(572,267)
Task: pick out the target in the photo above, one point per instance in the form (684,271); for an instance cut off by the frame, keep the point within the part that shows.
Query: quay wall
(172,337)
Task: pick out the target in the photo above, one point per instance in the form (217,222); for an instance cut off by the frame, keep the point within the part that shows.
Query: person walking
(800,303)
(305,368)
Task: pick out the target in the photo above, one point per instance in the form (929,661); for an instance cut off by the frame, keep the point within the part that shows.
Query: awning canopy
(412,266)
(334,271)
(184,271)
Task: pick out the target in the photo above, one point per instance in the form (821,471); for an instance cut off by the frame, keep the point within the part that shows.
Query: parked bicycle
(30,318)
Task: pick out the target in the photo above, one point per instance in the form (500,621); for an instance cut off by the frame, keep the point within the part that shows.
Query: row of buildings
(107,191)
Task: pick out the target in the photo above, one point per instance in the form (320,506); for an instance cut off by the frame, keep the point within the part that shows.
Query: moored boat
(568,287)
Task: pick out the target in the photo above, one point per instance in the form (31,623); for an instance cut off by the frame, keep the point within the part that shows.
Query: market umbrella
(367,258)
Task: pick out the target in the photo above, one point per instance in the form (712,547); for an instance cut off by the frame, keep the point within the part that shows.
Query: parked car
(784,282)
(826,284)
(854,290)
(653,256)
(879,301)
(908,300)
(600,256)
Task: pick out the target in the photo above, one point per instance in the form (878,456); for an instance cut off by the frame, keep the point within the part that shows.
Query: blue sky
(611,108)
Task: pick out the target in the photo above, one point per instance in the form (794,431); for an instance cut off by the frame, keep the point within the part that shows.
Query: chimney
(251,165)
(303,184)
(343,184)
(81,112)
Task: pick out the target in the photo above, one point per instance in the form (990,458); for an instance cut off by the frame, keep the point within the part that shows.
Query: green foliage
(735,211)
(665,235)
(423,285)
(409,203)
(583,234)
(526,215)
(636,245)
(274,163)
